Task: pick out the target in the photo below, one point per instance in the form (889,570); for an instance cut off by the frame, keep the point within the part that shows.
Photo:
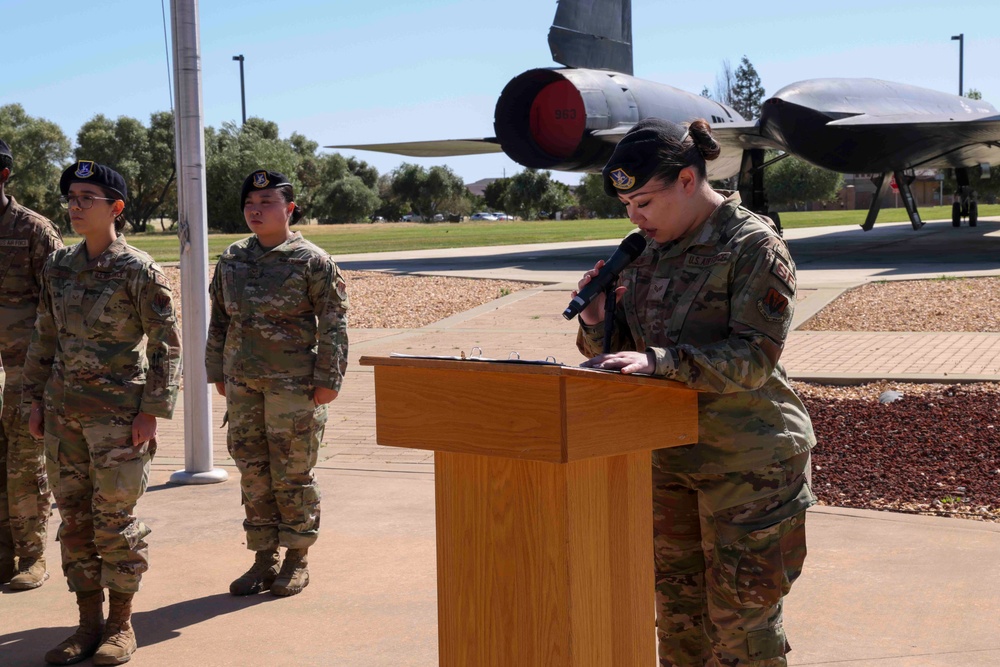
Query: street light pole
(243,94)
(961,56)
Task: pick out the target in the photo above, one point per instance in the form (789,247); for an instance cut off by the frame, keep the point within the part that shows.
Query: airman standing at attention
(277,350)
(26,240)
(103,364)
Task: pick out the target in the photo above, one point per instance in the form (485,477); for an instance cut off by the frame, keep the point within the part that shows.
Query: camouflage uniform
(26,239)
(88,361)
(714,308)
(278,329)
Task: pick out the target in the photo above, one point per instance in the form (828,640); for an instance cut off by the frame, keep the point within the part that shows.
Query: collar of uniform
(103,262)
(259,250)
(708,232)
(7,216)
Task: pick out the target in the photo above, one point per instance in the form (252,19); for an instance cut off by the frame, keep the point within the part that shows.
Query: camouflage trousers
(25,503)
(275,432)
(727,548)
(97,477)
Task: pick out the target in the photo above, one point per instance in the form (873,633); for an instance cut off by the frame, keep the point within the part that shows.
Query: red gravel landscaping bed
(936,450)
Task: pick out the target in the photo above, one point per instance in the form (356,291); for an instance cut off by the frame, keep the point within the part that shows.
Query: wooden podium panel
(543,494)
(581,593)
(542,413)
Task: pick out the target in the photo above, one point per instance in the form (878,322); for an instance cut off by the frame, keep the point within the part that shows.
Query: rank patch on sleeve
(772,305)
(780,269)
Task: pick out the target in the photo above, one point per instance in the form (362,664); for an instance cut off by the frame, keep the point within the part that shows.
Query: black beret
(637,155)
(261,179)
(88,171)
(5,149)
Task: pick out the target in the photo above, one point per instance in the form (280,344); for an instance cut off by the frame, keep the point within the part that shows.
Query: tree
(792,180)
(748,93)
(40,151)
(143,156)
(344,190)
(532,191)
(986,188)
(233,152)
(427,191)
(592,197)
(974,94)
(390,207)
(725,80)
(705,92)
(495,194)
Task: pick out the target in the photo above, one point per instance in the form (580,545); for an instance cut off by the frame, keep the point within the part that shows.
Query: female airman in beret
(103,364)
(277,350)
(708,304)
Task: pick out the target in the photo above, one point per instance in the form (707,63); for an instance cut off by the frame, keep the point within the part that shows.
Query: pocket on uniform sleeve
(759,561)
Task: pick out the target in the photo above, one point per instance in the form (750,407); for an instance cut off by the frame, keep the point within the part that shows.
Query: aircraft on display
(570,119)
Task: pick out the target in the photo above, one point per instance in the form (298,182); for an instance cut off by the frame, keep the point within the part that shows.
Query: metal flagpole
(192,230)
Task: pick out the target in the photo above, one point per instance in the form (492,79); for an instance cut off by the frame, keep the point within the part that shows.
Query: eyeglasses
(83,201)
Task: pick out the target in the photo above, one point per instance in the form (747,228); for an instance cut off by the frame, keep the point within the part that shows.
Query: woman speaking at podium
(709,304)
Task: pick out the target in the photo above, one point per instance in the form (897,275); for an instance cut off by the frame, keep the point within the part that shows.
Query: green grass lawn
(385,237)
(798,219)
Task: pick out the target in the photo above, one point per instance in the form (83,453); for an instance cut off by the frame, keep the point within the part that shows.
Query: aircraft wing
(440,148)
(936,141)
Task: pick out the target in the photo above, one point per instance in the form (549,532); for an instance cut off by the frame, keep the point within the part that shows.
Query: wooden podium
(544,503)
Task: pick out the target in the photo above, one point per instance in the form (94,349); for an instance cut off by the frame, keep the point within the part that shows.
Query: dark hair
(693,150)
(120,219)
(6,162)
(289,196)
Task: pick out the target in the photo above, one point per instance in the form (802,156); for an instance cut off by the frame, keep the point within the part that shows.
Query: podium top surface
(530,411)
(478,365)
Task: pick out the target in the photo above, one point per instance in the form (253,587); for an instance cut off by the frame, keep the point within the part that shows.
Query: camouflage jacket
(26,241)
(106,339)
(278,313)
(714,308)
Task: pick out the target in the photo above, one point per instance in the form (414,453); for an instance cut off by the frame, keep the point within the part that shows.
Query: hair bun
(701,134)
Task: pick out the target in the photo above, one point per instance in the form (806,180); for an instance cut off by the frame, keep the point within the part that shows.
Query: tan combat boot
(294,575)
(31,573)
(82,644)
(259,577)
(118,643)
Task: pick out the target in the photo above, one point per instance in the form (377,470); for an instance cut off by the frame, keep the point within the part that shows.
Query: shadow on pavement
(159,625)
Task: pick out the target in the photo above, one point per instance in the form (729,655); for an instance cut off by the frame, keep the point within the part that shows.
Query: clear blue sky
(395,70)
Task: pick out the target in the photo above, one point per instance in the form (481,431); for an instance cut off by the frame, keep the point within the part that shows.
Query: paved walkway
(878,588)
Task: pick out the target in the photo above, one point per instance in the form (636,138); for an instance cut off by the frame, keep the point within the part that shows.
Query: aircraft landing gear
(751,185)
(965,204)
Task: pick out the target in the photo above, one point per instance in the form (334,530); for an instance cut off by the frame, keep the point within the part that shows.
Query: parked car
(483,215)
(413,217)
(438,218)
(500,215)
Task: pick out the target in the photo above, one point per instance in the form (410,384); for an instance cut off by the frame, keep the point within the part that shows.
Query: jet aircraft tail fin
(593,34)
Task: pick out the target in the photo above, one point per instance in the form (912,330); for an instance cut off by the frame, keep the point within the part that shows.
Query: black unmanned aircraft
(570,119)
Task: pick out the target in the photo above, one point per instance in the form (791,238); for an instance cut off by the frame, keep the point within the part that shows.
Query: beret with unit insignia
(88,171)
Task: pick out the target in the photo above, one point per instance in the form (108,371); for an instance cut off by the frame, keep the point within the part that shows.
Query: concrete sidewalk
(878,588)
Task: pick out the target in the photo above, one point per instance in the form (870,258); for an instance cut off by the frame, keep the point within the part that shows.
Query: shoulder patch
(162,304)
(161,279)
(784,273)
(773,305)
